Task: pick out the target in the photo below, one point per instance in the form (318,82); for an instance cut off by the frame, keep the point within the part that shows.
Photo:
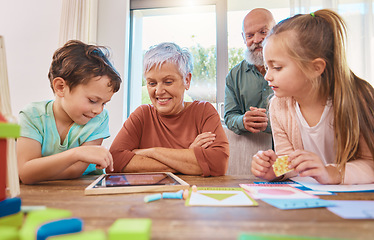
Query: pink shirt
(145,128)
(287,138)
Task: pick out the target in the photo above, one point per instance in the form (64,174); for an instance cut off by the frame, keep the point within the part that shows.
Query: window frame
(133,99)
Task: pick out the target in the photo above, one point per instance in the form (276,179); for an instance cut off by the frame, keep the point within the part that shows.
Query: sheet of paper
(353,209)
(314,185)
(298,186)
(277,191)
(219,197)
(298,203)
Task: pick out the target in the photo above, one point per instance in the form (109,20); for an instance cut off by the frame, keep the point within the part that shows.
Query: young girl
(61,138)
(322,113)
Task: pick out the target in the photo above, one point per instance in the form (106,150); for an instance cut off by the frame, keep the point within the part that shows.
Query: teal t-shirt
(37,122)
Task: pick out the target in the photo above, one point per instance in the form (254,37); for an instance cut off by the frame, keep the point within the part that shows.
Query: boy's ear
(59,86)
(319,66)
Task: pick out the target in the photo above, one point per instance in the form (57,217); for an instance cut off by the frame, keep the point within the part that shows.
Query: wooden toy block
(87,235)
(59,227)
(8,233)
(10,206)
(37,218)
(130,228)
(7,130)
(3,168)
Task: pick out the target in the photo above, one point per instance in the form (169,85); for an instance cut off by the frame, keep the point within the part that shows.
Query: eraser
(153,197)
(130,228)
(173,195)
(86,235)
(59,227)
(37,218)
(194,188)
(10,206)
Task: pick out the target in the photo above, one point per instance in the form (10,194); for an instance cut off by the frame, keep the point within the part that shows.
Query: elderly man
(246,91)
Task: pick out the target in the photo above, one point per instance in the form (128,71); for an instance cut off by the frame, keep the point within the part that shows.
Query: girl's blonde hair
(322,34)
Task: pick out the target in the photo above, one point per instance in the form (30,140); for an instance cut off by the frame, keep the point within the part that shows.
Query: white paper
(311,183)
(353,209)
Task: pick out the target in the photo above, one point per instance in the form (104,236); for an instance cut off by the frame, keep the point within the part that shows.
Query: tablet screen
(121,180)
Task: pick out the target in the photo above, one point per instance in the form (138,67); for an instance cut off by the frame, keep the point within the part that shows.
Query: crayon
(173,195)
(153,197)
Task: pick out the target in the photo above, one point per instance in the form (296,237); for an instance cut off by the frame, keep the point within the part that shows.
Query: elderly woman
(171,135)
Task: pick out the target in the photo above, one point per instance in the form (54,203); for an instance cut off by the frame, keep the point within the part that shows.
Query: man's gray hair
(168,52)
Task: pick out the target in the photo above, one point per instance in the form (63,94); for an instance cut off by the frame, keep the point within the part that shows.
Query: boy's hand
(262,163)
(255,120)
(98,155)
(309,164)
(203,140)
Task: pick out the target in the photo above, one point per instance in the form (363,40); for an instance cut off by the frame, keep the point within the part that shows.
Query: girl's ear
(59,86)
(319,66)
(188,81)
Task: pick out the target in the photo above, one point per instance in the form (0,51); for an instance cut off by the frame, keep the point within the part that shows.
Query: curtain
(78,21)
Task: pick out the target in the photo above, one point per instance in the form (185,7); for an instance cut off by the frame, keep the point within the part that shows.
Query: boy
(61,138)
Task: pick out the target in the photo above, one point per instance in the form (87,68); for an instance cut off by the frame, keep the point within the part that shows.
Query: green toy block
(130,228)
(37,218)
(9,130)
(13,220)
(89,235)
(9,233)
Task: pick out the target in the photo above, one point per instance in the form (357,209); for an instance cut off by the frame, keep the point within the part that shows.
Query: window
(211,29)
(191,26)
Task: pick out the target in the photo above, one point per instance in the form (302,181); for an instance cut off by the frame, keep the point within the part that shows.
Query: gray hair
(171,53)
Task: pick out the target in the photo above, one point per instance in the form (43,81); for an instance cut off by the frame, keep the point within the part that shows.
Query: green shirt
(38,122)
(245,87)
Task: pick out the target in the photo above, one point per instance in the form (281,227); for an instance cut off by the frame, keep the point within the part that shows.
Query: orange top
(145,128)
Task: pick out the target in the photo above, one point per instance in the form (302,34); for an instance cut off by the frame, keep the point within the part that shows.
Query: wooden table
(171,219)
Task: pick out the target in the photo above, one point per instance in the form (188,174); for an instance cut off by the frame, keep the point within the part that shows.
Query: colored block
(58,227)
(14,220)
(3,168)
(10,206)
(37,218)
(9,130)
(130,228)
(8,233)
(87,235)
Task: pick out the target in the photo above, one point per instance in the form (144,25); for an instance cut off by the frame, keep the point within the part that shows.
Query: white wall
(30,30)
(112,31)
(31,33)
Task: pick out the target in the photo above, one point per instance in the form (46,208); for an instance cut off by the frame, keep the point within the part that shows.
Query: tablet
(135,182)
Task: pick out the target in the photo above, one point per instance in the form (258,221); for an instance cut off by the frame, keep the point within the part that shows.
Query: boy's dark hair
(77,62)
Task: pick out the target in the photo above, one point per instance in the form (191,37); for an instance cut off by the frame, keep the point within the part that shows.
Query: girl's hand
(309,164)
(203,140)
(98,155)
(262,163)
